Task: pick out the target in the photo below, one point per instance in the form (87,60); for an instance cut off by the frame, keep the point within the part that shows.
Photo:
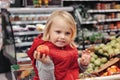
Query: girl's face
(60,33)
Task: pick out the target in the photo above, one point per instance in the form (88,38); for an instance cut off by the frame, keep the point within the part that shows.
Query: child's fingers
(86,51)
(45,59)
(35,54)
(44,56)
(84,61)
(41,57)
(38,55)
(86,56)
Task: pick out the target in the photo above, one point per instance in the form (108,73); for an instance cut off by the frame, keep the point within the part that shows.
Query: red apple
(43,49)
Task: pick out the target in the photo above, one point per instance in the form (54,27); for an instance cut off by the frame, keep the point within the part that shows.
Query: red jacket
(65,60)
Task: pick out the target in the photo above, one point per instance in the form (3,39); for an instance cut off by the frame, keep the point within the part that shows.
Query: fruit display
(105,61)
(108,71)
(109,49)
(95,63)
(111,70)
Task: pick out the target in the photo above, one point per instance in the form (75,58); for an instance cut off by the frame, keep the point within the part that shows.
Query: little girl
(62,62)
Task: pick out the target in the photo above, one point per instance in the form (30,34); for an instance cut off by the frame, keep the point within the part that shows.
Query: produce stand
(102,72)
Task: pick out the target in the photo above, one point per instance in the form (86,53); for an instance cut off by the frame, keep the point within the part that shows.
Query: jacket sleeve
(37,41)
(45,71)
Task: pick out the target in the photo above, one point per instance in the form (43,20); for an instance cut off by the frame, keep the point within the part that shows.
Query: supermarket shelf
(79,0)
(100,21)
(23,59)
(109,20)
(90,0)
(104,11)
(28,22)
(89,22)
(38,10)
(108,0)
(114,30)
(23,44)
(27,33)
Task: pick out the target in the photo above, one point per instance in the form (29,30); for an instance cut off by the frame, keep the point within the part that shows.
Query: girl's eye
(57,32)
(67,33)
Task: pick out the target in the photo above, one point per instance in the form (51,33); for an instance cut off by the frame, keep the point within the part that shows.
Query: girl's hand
(85,58)
(41,57)
(42,53)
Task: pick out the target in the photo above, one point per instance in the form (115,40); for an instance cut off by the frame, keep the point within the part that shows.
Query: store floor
(6,76)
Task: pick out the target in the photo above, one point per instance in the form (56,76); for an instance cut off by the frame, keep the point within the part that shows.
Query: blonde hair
(66,17)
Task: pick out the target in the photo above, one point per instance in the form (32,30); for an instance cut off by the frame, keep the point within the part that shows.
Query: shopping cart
(22,72)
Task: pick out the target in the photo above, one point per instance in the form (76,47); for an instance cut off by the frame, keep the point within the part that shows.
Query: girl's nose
(62,35)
